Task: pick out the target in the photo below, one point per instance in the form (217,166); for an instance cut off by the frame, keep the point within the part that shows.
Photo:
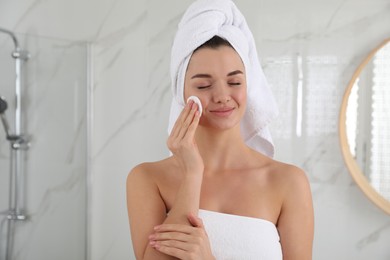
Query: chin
(220,125)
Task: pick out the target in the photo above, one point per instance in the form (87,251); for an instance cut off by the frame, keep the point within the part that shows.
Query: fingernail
(151,237)
(156,227)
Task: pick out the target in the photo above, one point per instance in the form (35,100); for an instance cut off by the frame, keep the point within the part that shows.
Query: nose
(221,93)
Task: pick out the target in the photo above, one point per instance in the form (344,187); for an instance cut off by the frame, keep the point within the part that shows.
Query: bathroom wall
(315,44)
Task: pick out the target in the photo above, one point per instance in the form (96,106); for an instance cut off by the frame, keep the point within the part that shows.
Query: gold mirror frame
(351,163)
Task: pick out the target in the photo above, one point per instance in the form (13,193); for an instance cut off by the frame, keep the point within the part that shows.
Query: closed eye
(235,83)
(203,87)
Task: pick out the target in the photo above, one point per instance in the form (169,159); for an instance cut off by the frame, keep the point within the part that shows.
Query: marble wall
(315,44)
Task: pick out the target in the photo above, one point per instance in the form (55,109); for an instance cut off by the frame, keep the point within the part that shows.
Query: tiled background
(129,43)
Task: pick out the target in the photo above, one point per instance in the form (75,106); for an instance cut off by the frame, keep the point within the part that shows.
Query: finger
(170,236)
(185,246)
(188,121)
(179,121)
(194,124)
(171,251)
(185,229)
(195,221)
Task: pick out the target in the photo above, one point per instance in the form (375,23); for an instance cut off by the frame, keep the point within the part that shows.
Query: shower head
(3,105)
(12,35)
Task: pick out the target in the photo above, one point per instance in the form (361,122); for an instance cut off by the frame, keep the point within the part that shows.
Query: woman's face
(217,78)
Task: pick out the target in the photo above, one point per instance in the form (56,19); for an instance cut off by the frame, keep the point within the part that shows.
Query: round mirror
(364,126)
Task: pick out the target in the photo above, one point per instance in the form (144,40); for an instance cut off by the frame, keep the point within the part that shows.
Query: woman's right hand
(181,141)
(183,241)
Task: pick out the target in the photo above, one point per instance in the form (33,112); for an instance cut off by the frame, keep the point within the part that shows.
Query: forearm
(186,201)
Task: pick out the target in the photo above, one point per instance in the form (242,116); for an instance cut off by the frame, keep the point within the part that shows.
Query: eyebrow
(235,73)
(203,75)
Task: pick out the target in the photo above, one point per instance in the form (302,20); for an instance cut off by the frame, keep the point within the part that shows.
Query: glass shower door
(54,102)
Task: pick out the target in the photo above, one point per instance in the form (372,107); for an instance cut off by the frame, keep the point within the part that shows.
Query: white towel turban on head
(203,20)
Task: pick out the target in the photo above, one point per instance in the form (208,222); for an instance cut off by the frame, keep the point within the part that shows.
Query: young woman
(216,197)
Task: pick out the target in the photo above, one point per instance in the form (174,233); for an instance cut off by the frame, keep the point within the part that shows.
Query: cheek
(187,91)
(240,97)
(203,99)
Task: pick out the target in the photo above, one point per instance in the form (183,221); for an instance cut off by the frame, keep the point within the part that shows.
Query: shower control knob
(3,105)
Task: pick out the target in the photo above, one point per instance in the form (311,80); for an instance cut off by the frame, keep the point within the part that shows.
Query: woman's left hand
(183,241)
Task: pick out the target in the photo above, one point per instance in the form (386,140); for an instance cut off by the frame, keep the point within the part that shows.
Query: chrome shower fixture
(19,143)
(3,108)
(18,53)
(3,105)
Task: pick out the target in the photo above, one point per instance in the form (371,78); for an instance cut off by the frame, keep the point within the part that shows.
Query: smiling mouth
(223,112)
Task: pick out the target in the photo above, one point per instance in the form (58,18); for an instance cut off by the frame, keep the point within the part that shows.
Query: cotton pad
(197,101)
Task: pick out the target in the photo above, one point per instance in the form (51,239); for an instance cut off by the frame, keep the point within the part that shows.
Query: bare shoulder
(289,176)
(147,172)
(145,168)
(289,182)
(142,182)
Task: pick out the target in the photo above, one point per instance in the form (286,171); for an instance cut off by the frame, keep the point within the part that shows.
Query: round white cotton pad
(197,101)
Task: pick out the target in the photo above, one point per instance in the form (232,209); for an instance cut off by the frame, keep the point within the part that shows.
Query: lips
(223,112)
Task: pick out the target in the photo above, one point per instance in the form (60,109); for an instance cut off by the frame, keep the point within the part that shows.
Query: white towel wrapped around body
(203,20)
(241,237)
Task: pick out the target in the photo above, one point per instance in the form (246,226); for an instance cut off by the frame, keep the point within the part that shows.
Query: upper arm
(296,220)
(145,206)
